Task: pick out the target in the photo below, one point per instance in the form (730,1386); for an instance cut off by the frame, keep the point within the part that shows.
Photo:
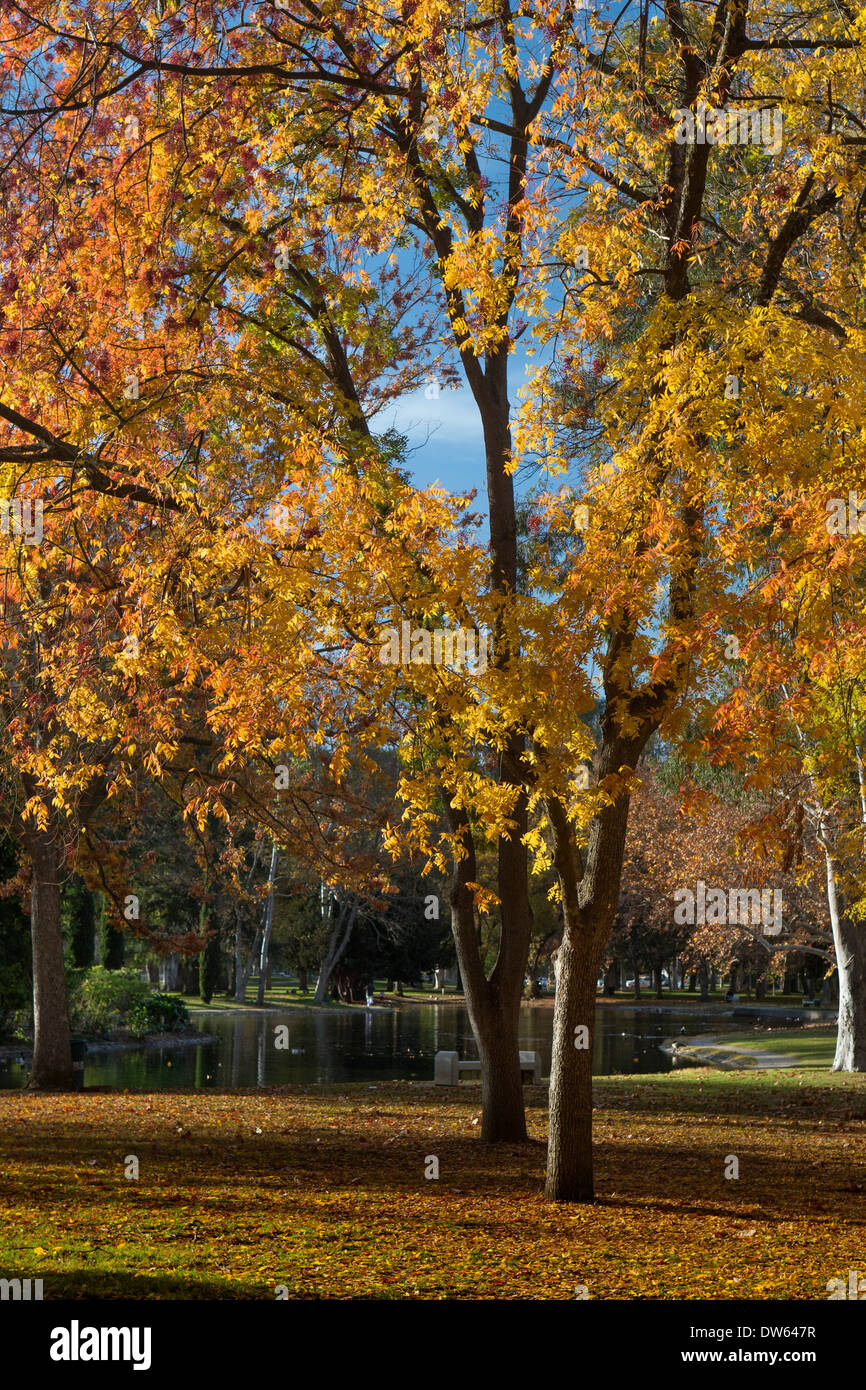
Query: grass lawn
(322,1189)
(811,1047)
(278,998)
(285,994)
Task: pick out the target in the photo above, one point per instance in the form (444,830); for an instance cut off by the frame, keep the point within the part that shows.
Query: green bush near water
(101,1001)
(159,1013)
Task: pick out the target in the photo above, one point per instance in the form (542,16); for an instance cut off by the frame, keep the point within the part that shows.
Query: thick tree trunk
(569,1158)
(503,1119)
(849,939)
(589,901)
(52,1052)
(493,1004)
(494,1012)
(851,1036)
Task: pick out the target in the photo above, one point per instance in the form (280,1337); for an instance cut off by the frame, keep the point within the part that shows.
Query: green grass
(273,999)
(810,1047)
(692,1086)
(285,995)
(686,996)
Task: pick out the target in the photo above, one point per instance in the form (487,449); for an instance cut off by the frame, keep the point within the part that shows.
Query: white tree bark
(269,922)
(849,937)
(849,940)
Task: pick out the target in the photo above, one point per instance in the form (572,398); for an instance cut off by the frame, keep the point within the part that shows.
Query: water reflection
(369,1044)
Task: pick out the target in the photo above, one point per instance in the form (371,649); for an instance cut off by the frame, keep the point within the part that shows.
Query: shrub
(158,1013)
(101,1001)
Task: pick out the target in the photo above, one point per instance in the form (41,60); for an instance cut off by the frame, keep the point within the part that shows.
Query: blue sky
(446,443)
(444,434)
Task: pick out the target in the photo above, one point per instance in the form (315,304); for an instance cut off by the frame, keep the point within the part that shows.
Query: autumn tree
(535,183)
(118,419)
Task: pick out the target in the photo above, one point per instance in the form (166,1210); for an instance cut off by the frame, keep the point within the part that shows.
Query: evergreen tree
(81,918)
(110,939)
(209,963)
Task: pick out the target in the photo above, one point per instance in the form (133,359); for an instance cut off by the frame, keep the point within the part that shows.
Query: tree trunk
(849,939)
(243,971)
(243,979)
(851,959)
(302,981)
(503,1119)
(569,1157)
(493,1004)
(239,983)
(269,922)
(52,1051)
(493,1001)
(704,982)
(337,943)
(589,902)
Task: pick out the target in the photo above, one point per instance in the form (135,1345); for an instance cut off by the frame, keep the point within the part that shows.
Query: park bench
(447,1067)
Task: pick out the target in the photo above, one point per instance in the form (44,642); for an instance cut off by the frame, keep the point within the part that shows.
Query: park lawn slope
(323,1190)
(771,1047)
(811,1048)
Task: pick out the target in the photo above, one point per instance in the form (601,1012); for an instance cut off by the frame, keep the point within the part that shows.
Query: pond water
(371,1045)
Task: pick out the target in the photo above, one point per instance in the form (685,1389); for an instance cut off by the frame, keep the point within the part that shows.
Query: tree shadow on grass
(233,1174)
(217,1181)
